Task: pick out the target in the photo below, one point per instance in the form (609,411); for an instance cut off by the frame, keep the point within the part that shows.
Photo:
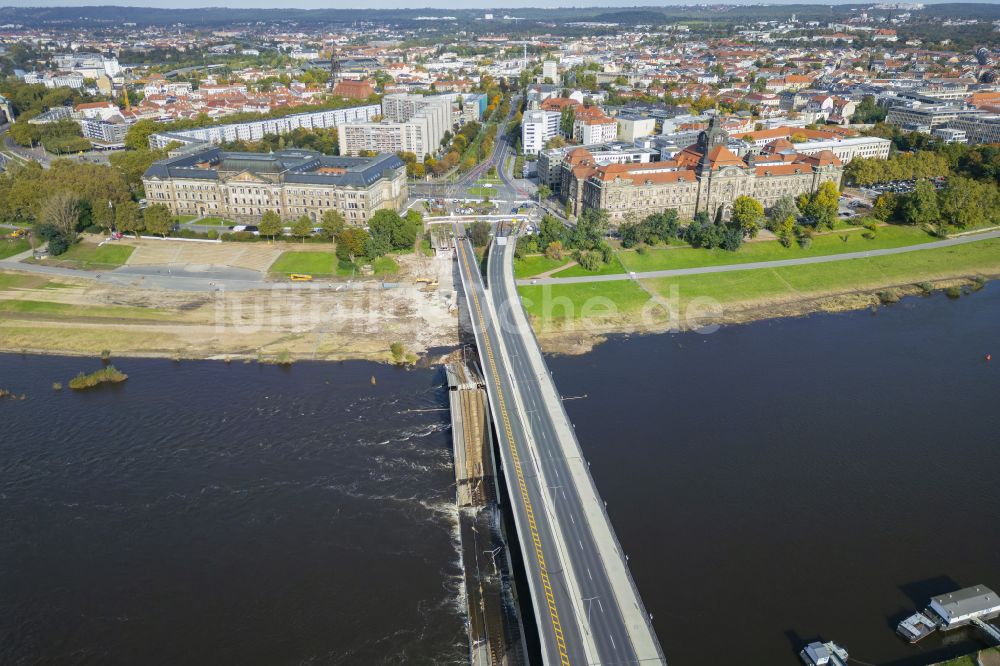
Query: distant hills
(111,16)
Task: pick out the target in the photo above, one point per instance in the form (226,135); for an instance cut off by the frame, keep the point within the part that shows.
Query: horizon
(437,5)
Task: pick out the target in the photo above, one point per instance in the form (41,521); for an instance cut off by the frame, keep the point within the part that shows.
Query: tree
(544,192)
(479,233)
(966,203)
(821,206)
(128,218)
(590,229)
(62,213)
(885,206)
(554,250)
(550,230)
(351,243)
(270,224)
(784,230)
(132,164)
(392,231)
(158,219)
(567,118)
(302,228)
(781,210)
(137,137)
(921,205)
(748,215)
(332,224)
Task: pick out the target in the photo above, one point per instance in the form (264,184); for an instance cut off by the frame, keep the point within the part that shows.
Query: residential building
(105,133)
(550,72)
(292,183)
(254,130)
(590,125)
(411,123)
(537,127)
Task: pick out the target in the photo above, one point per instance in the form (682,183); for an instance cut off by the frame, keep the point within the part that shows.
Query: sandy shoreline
(581,340)
(76,318)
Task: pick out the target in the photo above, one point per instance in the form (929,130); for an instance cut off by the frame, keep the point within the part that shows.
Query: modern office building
(292,183)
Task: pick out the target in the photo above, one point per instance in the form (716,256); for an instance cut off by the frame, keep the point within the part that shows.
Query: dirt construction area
(253,256)
(334,319)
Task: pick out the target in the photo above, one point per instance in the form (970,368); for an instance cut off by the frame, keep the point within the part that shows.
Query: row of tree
(901,166)
(585,241)
(961,203)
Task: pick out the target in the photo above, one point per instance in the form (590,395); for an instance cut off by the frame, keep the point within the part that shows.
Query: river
(771,483)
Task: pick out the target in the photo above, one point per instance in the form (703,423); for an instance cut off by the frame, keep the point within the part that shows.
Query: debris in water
(373,380)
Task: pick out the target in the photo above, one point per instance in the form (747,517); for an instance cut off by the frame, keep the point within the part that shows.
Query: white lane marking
(590,574)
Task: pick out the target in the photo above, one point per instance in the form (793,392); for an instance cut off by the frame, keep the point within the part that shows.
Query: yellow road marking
(522,485)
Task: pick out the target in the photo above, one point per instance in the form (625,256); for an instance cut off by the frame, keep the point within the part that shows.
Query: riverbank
(57,314)
(572,318)
(64,314)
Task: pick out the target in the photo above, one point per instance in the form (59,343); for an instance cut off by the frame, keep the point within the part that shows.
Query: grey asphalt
(617,621)
(577,537)
(755,265)
(499,386)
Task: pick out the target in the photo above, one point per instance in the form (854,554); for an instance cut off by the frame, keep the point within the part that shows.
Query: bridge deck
(586,605)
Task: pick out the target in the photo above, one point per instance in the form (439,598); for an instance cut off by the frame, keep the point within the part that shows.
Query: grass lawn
(71,310)
(482,191)
(552,304)
(9,248)
(848,275)
(385,266)
(183,219)
(656,259)
(533,264)
(346,269)
(310,263)
(89,256)
(212,221)
(27,281)
(611,268)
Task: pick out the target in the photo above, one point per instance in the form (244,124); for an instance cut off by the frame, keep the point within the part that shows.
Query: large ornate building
(243,186)
(706,176)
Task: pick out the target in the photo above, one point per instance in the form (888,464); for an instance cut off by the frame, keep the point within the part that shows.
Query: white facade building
(411,123)
(537,127)
(256,129)
(550,71)
(630,129)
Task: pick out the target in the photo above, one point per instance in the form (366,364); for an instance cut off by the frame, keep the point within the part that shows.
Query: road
(40,155)
(587,607)
(754,265)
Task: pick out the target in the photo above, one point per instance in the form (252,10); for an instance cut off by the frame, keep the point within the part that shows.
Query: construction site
(496,634)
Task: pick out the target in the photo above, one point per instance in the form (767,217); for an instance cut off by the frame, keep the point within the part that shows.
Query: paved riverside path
(587,608)
(778,263)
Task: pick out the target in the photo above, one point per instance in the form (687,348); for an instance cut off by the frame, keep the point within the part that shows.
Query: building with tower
(704,177)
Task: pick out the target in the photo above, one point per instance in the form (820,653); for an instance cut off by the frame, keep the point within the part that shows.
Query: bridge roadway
(586,605)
